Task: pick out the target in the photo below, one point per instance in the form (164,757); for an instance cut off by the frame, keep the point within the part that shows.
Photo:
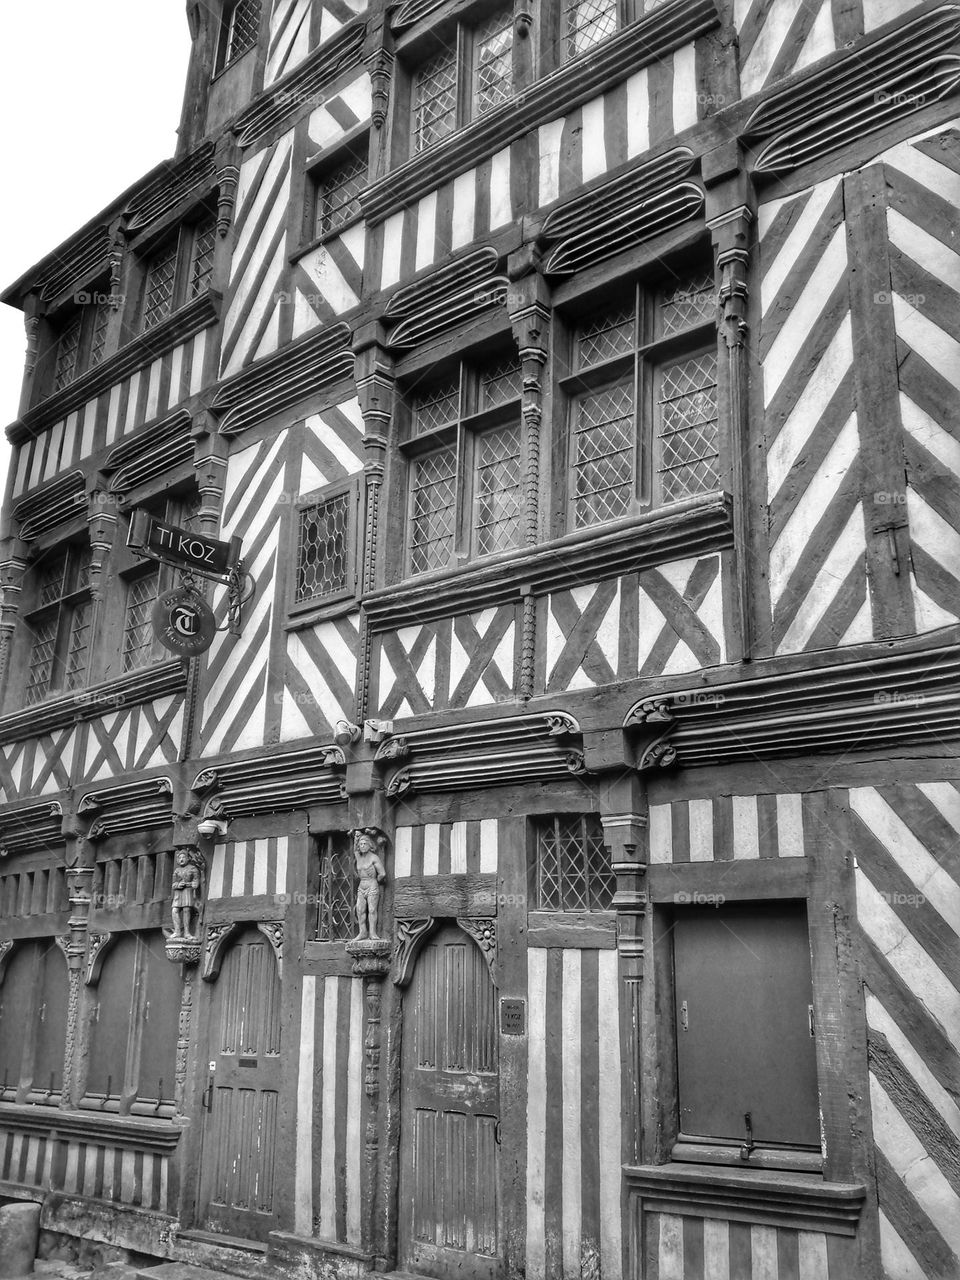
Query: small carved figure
(370,875)
(185,908)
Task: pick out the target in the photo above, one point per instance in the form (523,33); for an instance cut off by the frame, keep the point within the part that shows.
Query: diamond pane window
(570,870)
(137,632)
(322,555)
(336,920)
(201,265)
(338,195)
(585,22)
(687,303)
(78,646)
(68,355)
(498,497)
(435,99)
(603,455)
(500,383)
(244,28)
(158,293)
(432,517)
(98,337)
(53,579)
(493,62)
(439,407)
(606,336)
(42,651)
(689,445)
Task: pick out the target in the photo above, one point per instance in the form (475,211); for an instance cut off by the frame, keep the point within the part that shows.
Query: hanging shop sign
(183,622)
(173,545)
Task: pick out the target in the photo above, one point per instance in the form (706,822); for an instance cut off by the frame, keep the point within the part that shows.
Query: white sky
(91,93)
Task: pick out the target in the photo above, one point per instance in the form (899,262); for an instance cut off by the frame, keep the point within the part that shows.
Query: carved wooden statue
(367,845)
(185,906)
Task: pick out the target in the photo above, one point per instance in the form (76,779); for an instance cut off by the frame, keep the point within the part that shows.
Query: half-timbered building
(582,383)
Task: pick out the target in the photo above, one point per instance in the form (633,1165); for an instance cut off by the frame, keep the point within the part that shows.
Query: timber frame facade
(583,381)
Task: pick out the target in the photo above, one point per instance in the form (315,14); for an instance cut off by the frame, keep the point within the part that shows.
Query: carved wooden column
(376,392)
(13,566)
(529,306)
(32,308)
(102,526)
(730,219)
(80,860)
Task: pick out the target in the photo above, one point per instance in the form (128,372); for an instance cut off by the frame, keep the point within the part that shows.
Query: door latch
(684,1020)
(747,1147)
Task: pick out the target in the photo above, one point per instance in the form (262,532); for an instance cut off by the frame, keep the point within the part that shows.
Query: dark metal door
(241,1101)
(744,1023)
(449,1193)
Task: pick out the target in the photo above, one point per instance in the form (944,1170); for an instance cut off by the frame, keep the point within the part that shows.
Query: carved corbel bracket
(32,326)
(484,933)
(96,952)
(659,754)
(380,67)
(115,259)
(347,734)
(731,239)
(6,946)
(227,180)
(655,751)
(410,937)
(216,938)
(370,956)
(272,930)
(400,783)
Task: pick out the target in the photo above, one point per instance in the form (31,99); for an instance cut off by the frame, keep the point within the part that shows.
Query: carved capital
(370,956)
(410,937)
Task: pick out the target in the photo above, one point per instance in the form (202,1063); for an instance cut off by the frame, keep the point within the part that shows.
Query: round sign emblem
(183,622)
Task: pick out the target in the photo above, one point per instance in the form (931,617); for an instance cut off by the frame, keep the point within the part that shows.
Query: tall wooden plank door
(450,1131)
(241,1101)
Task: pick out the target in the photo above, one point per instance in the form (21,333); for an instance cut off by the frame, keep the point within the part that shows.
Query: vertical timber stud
(529,306)
(883,477)
(730,219)
(102,523)
(511,910)
(623,813)
(81,861)
(375,389)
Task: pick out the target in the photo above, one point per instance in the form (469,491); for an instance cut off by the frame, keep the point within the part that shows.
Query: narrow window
(432,509)
(493,62)
(68,354)
(337,195)
(571,869)
(243,29)
(435,99)
(323,554)
(139,645)
(586,23)
(201,257)
(336,918)
(160,286)
(59,625)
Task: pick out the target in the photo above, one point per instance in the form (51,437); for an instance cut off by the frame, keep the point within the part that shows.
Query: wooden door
(449,1193)
(241,1101)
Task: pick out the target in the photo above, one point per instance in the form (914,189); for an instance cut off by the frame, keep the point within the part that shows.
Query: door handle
(207,1100)
(497,1133)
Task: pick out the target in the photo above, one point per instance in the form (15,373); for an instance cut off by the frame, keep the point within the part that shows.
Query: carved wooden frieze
(35,826)
(467,287)
(54,504)
(175,183)
(151,453)
(132,806)
(74,263)
(286,780)
(295,373)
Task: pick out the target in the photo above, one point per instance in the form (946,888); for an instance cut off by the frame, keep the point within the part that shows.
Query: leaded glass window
(243,28)
(473,417)
(338,194)
(435,99)
(336,899)
(586,22)
(323,552)
(59,625)
(138,639)
(68,354)
(570,870)
(160,285)
(493,62)
(201,261)
(643,414)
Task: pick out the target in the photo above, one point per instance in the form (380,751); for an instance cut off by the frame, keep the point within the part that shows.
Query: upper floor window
(326,547)
(642,396)
(464,490)
(144,581)
(59,623)
(178,271)
(585,23)
(240,30)
(469,76)
(570,869)
(81,339)
(336,917)
(336,192)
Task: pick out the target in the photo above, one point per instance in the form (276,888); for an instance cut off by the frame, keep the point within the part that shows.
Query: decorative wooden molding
(139,686)
(32,827)
(878,82)
(131,1133)
(134,805)
(631,224)
(97,947)
(410,937)
(31,325)
(412,11)
(695,527)
(898,698)
(150,453)
(216,939)
(55,503)
(370,957)
(272,930)
(445,298)
(276,782)
(639,44)
(73,264)
(138,352)
(295,373)
(489,753)
(306,87)
(227,179)
(6,947)
(175,183)
(803,1203)
(484,934)
(380,66)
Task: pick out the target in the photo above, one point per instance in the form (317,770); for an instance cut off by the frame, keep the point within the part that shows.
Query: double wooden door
(241,1100)
(450,1128)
